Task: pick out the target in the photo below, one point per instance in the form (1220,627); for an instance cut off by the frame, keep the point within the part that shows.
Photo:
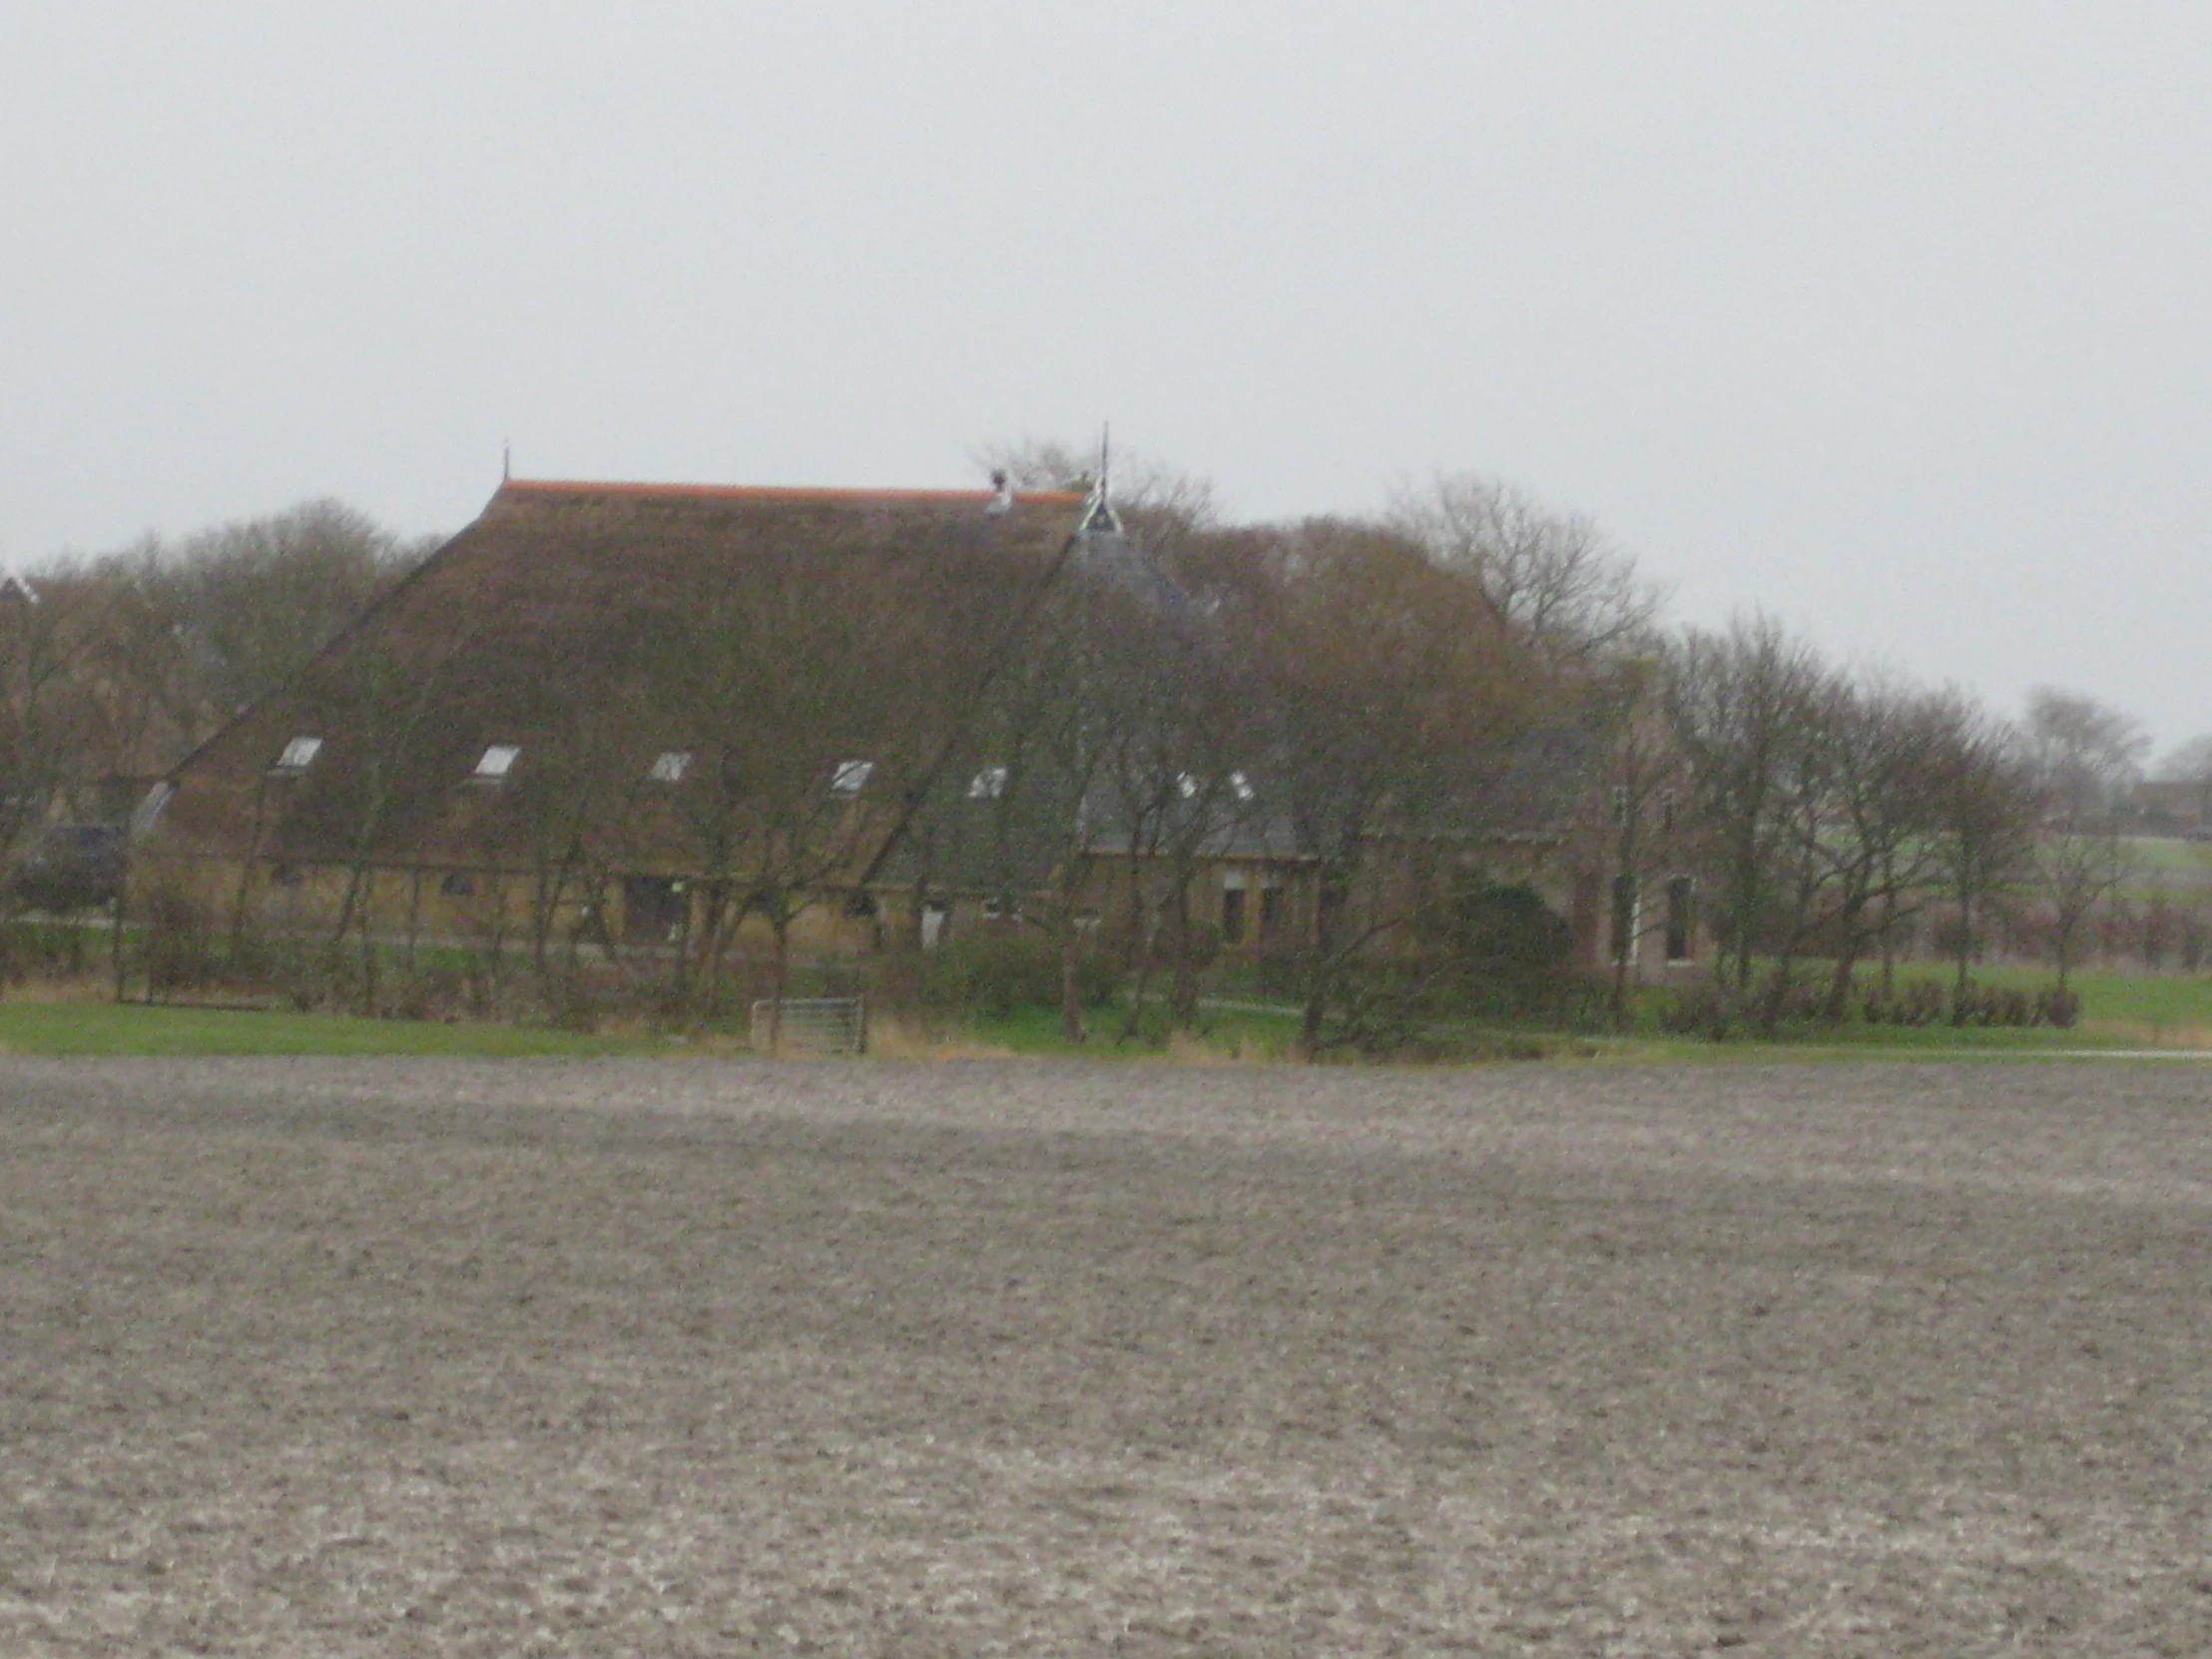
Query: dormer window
(850,777)
(670,766)
(496,762)
(298,754)
(988,785)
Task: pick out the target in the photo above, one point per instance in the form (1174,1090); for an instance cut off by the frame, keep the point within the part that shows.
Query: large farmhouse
(597,696)
(626,717)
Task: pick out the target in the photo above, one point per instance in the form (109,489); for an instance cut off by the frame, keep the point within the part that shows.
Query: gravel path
(305,1357)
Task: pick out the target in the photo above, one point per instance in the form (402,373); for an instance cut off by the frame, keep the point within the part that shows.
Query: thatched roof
(596,627)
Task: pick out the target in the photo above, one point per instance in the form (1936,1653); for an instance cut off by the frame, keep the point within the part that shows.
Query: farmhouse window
(1270,912)
(1681,895)
(496,762)
(1232,915)
(850,777)
(988,785)
(298,754)
(670,766)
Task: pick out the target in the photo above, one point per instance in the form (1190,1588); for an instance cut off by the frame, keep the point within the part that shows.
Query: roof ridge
(768,492)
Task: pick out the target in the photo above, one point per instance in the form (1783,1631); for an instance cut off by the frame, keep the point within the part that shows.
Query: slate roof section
(1531,789)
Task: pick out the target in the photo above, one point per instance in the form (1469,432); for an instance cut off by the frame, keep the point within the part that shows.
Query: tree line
(114,668)
(1365,683)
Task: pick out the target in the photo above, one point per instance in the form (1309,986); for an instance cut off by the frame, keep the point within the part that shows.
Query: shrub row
(1720,1011)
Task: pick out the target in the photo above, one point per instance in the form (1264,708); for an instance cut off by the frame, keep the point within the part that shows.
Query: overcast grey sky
(1888,317)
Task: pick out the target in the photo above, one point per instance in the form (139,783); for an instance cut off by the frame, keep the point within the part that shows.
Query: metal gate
(812,1026)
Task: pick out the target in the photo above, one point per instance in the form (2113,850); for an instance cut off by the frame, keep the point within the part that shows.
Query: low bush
(1915,1002)
(2057,1007)
(1708,1010)
(1720,1011)
(2006,1006)
(1990,1005)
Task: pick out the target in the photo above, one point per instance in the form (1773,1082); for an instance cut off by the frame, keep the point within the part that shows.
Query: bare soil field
(437,1358)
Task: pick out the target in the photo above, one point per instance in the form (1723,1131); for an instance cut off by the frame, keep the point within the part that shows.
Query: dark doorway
(1627,915)
(652,909)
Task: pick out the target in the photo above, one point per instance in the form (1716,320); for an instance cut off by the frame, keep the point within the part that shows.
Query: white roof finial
(1099,517)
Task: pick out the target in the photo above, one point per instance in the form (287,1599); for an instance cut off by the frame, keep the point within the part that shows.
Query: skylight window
(850,777)
(988,785)
(497,761)
(298,754)
(670,766)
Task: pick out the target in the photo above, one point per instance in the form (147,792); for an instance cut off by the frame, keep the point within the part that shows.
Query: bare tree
(1181,777)
(1870,837)
(2086,757)
(785,675)
(1642,790)
(1985,822)
(823,691)
(1041,750)
(251,601)
(1550,574)
(388,696)
(188,633)
(1381,675)
(1739,702)
(52,726)
(579,783)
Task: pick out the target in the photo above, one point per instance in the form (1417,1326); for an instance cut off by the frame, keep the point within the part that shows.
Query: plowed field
(374,1358)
